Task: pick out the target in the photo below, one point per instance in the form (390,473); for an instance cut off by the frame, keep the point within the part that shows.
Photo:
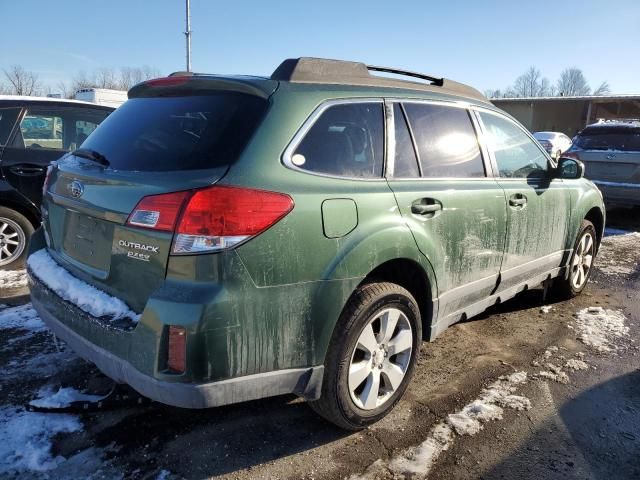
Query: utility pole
(188,35)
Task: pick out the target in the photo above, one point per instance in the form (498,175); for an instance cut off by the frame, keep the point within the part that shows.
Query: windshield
(627,140)
(177,133)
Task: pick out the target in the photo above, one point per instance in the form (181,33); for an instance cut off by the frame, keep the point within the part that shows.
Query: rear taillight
(158,212)
(212,218)
(573,155)
(177,349)
(220,217)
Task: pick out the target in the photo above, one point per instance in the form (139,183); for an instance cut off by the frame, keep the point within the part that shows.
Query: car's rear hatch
(169,137)
(610,153)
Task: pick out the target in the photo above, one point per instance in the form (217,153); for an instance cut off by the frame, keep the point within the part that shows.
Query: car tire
(15,232)
(580,264)
(363,377)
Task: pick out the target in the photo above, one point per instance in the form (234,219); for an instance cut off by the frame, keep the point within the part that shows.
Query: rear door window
(405,162)
(347,140)
(60,128)
(446,140)
(517,155)
(178,133)
(8,117)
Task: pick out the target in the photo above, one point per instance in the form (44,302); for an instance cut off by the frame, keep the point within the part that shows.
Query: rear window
(623,139)
(178,133)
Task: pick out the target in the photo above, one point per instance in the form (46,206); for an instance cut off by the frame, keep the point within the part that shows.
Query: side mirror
(570,168)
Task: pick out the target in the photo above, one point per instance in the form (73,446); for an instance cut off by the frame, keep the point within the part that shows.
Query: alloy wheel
(582,261)
(380,359)
(12,241)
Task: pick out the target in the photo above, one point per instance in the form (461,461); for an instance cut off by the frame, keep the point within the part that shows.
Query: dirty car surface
(250,237)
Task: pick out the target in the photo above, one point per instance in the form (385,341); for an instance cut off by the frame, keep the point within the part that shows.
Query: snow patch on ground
(546,308)
(23,317)
(617,254)
(25,439)
(575,364)
(554,373)
(88,298)
(548,353)
(416,462)
(62,398)
(601,328)
(13,279)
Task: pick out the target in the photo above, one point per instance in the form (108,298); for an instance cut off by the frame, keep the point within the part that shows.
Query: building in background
(568,114)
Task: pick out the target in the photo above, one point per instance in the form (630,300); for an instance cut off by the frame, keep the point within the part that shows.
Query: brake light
(573,155)
(212,218)
(177,349)
(220,217)
(158,212)
(167,81)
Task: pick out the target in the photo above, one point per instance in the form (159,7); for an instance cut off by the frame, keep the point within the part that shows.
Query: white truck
(102,96)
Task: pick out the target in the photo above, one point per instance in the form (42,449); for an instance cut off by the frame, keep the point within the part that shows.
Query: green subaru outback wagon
(221,239)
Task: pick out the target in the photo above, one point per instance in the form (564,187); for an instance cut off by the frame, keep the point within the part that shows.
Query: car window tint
(516,154)
(346,140)
(406,162)
(8,117)
(59,127)
(446,140)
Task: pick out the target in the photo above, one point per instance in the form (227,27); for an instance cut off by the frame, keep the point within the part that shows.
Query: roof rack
(321,70)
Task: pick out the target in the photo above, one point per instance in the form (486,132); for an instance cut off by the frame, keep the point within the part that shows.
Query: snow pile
(600,328)
(545,308)
(23,317)
(416,462)
(89,299)
(12,279)
(25,439)
(62,398)
(618,253)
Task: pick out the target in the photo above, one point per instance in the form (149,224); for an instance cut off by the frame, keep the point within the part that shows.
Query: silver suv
(610,151)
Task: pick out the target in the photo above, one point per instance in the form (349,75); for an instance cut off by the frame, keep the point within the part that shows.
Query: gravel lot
(573,412)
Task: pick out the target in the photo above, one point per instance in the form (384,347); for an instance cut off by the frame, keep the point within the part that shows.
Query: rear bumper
(66,321)
(620,193)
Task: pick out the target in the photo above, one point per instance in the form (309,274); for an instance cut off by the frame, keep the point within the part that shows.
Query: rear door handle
(27,170)
(518,200)
(426,206)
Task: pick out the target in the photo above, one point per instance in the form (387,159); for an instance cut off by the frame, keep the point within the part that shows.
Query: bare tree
(530,84)
(21,81)
(131,76)
(572,82)
(603,89)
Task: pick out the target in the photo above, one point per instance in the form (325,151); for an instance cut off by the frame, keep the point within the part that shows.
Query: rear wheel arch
(410,275)
(30,213)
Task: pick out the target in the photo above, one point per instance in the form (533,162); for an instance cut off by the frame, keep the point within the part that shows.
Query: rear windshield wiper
(91,155)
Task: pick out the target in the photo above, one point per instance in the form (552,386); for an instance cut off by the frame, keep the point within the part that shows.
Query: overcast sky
(484,43)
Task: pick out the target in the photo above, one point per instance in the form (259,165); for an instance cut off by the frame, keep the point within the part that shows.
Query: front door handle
(518,200)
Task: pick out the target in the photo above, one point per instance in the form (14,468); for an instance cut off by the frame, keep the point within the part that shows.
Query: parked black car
(34,132)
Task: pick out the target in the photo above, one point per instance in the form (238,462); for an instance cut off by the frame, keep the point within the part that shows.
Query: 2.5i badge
(138,251)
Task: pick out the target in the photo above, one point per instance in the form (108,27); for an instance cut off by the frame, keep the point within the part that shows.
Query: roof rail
(321,70)
(396,71)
